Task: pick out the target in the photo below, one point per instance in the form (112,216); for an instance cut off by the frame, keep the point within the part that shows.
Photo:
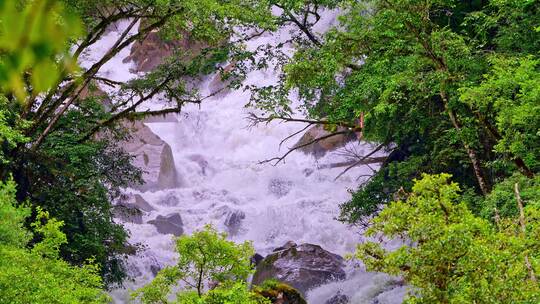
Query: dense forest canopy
(450,90)
(445,86)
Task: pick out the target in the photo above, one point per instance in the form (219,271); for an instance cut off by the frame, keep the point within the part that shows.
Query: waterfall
(217,158)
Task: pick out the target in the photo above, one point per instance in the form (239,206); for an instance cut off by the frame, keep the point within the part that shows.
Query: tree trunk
(518,161)
(477,168)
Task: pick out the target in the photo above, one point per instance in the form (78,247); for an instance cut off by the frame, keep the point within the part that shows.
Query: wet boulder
(339,298)
(289,244)
(302,266)
(279,293)
(127,212)
(321,147)
(154,269)
(256,259)
(154,156)
(219,86)
(201,162)
(141,203)
(169,224)
(153,50)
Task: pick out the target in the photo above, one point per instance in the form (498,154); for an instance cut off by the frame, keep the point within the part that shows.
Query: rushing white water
(291,201)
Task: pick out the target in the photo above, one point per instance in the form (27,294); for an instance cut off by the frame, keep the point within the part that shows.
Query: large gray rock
(170,224)
(303,267)
(321,147)
(141,203)
(150,52)
(219,86)
(154,156)
(256,259)
(339,298)
(128,213)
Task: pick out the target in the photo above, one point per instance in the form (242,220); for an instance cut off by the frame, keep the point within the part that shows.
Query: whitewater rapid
(217,157)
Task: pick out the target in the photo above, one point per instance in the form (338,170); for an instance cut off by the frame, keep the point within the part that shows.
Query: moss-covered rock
(302,266)
(279,293)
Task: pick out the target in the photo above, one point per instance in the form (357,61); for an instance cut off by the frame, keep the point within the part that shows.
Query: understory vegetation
(206,257)
(449,90)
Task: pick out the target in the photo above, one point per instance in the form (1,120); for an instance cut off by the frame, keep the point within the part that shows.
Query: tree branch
(279,159)
(125,112)
(117,47)
(258,119)
(363,160)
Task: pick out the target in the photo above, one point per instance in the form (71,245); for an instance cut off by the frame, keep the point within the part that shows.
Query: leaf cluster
(450,255)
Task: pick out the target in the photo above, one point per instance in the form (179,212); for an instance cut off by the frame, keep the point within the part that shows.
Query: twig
(363,161)
(292,135)
(258,119)
(279,159)
(360,161)
(109,82)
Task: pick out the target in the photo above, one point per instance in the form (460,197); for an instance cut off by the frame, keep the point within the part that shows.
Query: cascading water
(217,158)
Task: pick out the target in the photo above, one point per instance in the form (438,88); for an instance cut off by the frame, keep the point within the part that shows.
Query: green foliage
(58,141)
(70,180)
(230,293)
(511,93)
(9,136)
(233,293)
(207,256)
(510,26)
(38,275)
(30,41)
(450,255)
(204,257)
(75,182)
(502,201)
(12,232)
(446,86)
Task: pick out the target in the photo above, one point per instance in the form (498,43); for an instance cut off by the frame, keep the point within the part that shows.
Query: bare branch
(113,50)
(281,158)
(363,159)
(259,119)
(292,135)
(109,82)
(120,44)
(125,112)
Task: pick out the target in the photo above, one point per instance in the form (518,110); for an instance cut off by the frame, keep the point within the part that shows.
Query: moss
(273,290)
(270,260)
(294,251)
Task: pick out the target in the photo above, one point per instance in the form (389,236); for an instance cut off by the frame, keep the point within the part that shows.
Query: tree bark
(518,161)
(477,168)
